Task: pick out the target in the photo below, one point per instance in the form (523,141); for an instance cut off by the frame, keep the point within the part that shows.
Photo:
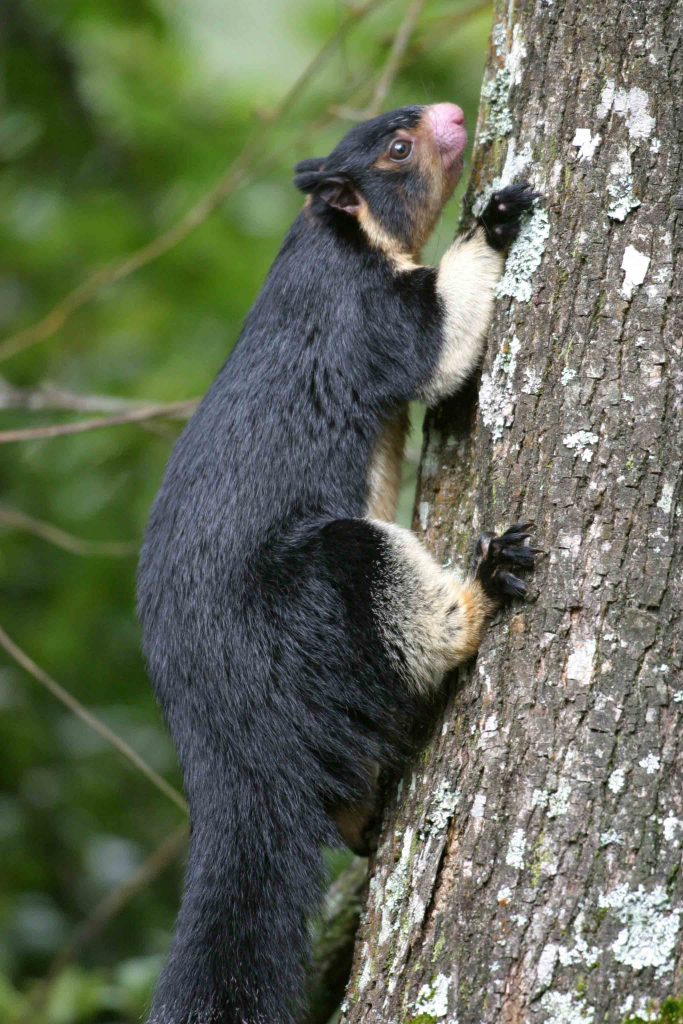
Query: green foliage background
(116,116)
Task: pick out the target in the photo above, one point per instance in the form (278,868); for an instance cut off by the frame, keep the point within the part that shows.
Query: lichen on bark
(530,868)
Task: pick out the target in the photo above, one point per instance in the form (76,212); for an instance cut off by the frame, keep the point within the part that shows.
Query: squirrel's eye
(400,149)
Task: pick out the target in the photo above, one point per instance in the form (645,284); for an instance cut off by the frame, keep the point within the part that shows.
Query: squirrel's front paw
(502,214)
(494,556)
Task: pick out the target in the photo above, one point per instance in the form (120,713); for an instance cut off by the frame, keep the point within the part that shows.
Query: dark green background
(115,116)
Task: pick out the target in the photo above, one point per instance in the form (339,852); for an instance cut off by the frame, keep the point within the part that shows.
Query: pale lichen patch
(515,59)
(432,999)
(617,780)
(395,889)
(610,838)
(515,163)
(545,857)
(539,798)
(580,442)
(558,802)
(566,1008)
(650,763)
(366,973)
(532,382)
(496,399)
(666,498)
(514,857)
(497,90)
(635,265)
(478,806)
(581,952)
(442,808)
(632,105)
(620,188)
(671,826)
(525,256)
(546,965)
(606,99)
(650,933)
(499,37)
(585,143)
(580,662)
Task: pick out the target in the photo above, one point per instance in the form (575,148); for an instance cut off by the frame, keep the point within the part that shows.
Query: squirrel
(293,632)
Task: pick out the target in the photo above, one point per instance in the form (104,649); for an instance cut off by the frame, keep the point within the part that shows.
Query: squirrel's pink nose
(448,124)
(446,114)
(452,111)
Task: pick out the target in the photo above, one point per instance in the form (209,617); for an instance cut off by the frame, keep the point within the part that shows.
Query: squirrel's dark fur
(292,634)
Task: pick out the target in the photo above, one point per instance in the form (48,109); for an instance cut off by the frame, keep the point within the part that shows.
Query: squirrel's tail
(253,877)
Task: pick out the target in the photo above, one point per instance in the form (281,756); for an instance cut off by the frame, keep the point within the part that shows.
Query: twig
(114,902)
(51,398)
(434,30)
(392,66)
(196,215)
(332,951)
(169,409)
(90,720)
(111,905)
(15,519)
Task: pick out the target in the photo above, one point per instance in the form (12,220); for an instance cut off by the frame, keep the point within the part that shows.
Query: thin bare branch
(392,66)
(423,37)
(440,29)
(171,410)
(234,176)
(395,58)
(115,901)
(48,397)
(111,905)
(14,519)
(333,943)
(17,654)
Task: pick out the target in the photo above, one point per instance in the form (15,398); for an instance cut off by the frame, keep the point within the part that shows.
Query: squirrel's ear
(307,174)
(334,189)
(339,192)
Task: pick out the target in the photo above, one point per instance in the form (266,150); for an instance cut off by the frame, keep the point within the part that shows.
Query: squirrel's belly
(384,472)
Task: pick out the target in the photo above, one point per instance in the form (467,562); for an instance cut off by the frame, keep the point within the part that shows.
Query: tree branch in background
(108,907)
(75,706)
(332,949)
(196,215)
(53,398)
(169,409)
(392,66)
(339,919)
(334,939)
(439,29)
(14,519)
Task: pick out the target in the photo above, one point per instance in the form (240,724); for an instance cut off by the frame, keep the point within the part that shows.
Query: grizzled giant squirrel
(292,631)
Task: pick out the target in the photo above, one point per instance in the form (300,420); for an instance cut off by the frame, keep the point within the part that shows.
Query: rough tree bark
(529,869)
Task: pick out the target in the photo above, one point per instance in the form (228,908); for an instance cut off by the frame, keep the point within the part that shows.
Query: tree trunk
(529,868)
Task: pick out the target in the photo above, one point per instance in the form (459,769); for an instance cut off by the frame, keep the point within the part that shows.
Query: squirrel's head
(393,174)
